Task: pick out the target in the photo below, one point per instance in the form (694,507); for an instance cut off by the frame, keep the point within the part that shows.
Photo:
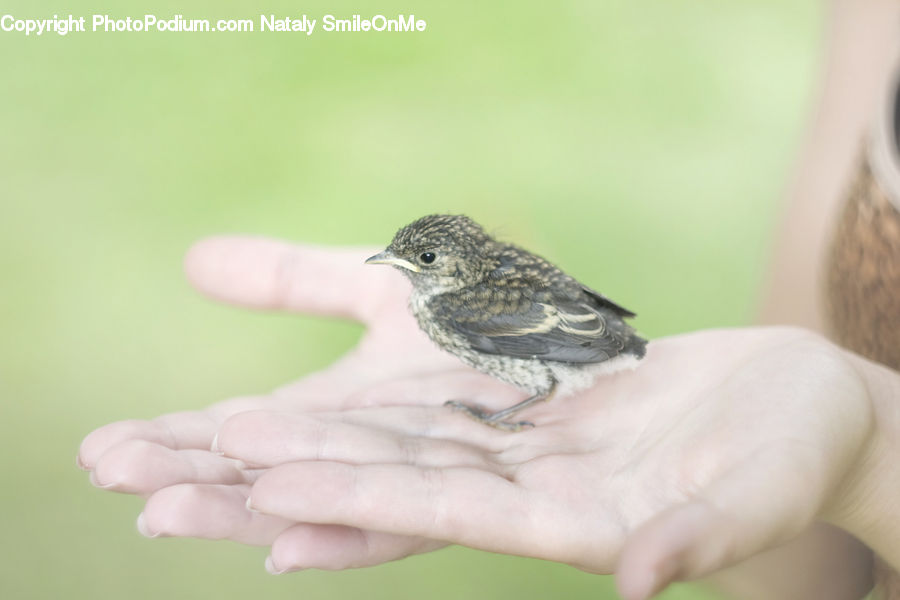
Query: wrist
(866,503)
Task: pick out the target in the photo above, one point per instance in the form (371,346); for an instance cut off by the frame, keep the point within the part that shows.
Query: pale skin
(722,444)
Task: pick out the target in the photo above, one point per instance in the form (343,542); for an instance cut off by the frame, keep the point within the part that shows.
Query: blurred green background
(641,145)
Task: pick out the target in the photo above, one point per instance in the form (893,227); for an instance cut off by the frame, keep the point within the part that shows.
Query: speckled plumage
(507,312)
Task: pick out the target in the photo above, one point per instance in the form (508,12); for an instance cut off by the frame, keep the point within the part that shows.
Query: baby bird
(508,313)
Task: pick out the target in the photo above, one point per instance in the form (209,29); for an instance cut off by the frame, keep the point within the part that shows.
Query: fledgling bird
(508,312)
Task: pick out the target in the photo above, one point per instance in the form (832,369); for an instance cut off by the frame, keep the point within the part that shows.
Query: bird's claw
(487,418)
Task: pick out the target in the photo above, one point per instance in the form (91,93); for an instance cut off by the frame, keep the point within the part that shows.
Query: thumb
(272,274)
(760,504)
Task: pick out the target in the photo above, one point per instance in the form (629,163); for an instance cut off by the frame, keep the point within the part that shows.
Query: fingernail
(96,483)
(271,568)
(80,464)
(214,447)
(143,529)
(249,505)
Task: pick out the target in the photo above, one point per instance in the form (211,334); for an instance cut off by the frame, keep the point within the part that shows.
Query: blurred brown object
(863,277)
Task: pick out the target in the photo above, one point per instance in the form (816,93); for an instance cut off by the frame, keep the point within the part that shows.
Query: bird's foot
(492,419)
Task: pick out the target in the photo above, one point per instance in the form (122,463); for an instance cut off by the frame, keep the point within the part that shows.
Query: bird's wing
(515,259)
(605,302)
(562,330)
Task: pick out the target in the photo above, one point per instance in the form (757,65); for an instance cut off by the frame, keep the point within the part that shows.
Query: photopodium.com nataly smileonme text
(179,24)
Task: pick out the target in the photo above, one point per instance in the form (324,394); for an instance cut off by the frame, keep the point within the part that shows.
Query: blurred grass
(641,145)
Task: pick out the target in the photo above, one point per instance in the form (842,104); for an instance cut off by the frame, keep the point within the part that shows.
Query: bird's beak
(388,258)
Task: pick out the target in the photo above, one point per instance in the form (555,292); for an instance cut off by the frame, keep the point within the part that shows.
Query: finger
(437,378)
(214,512)
(266,438)
(192,429)
(740,515)
(334,547)
(436,387)
(140,467)
(380,389)
(273,274)
(459,505)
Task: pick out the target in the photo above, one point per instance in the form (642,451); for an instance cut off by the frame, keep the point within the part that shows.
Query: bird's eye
(427,257)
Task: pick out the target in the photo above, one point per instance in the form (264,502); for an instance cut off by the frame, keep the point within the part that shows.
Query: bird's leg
(497,419)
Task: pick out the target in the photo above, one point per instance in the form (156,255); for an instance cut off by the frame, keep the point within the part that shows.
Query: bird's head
(440,252)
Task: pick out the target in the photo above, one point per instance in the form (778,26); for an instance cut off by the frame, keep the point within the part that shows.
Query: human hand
(720,445)
(652,469)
